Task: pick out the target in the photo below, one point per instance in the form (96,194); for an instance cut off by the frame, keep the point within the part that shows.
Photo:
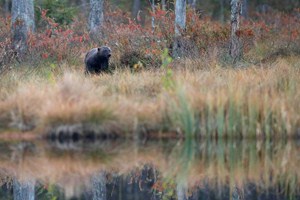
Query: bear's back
(90,54)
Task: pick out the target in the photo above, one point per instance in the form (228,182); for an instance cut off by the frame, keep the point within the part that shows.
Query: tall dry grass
(257,101)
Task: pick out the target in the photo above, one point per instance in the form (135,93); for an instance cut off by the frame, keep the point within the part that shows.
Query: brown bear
(96,60)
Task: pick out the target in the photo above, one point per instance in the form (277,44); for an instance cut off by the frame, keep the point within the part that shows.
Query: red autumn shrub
(56,41)
(7,54)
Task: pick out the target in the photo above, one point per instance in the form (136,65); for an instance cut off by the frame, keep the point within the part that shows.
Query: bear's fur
(97,60)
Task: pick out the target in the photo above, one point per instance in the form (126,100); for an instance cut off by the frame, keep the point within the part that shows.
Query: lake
(150,169)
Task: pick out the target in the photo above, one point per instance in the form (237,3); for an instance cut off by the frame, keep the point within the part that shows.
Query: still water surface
(154,170)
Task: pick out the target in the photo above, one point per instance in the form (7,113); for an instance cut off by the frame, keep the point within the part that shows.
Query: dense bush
(56,42)
(264,36)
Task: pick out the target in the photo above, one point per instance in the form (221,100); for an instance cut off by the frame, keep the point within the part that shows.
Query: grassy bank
(257,101)
(202,94)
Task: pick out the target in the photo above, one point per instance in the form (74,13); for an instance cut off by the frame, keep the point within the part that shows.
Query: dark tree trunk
(152,18)
(6,6)
(84,6)
(192,3)
(237,194)
(22,22)
(163,4)
(83,3)
(136,7)
(180,24)
(222,18)
(245,9)
(96,17)
(236,48)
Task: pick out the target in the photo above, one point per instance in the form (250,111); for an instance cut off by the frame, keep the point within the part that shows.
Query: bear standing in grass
(96,60)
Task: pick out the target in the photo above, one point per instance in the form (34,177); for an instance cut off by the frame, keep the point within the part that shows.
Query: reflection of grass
(261,163)
(253,102)
(218,163)
(50,191)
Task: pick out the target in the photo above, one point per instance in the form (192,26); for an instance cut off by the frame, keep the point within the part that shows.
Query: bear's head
(104,52)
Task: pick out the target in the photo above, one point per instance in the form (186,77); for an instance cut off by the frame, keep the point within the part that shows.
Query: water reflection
(23,189)
(183,170)
(99,186)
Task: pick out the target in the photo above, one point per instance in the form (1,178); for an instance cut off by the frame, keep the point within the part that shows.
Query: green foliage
(182,115)
(50,73)
(167,79)
(186,115)
(58,10)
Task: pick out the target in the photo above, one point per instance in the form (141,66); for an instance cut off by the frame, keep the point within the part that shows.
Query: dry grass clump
(245,102)
(213,102)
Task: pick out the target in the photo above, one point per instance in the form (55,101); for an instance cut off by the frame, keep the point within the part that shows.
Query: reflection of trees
(181,192)
(99,186)
(138,184)
(147,178)
(185,162)
(211,169)
(23,190)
